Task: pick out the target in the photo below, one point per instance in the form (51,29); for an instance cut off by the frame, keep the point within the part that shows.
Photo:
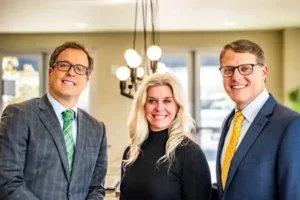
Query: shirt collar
(59,108)
(251,110)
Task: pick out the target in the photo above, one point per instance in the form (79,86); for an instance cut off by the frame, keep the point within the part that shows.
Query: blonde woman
(162,162)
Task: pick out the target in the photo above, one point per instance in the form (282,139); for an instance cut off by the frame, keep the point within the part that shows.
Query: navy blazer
(266,165)
(33,155)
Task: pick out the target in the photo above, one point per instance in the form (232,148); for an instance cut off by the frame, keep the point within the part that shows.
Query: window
(213,105)
(20,78)
(178,65)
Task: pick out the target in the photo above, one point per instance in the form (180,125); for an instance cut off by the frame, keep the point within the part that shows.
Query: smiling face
(160,108)
(243,89)
(66,87)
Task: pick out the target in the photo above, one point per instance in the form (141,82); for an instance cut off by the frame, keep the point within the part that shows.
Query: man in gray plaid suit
(47,154)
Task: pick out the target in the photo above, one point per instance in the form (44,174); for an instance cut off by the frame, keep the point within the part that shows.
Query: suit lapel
(253,132)
(80,144)
(49,119)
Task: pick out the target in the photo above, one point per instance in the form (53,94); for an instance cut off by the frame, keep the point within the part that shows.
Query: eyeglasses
(66,66)
(244,69)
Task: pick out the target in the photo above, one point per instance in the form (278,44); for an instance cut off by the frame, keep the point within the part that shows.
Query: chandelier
(131,75)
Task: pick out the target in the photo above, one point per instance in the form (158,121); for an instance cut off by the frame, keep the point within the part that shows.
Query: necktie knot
(239,117)
(68,115)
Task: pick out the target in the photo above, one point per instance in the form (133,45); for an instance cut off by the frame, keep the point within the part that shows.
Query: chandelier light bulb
(129,53)
(154,52)
(134,61)
(161,68)
(123,73)
(140,72)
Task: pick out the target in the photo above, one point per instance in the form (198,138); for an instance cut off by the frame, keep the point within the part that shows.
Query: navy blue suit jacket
(266,165)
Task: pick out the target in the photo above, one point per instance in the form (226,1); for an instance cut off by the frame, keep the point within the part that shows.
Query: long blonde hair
(183,124)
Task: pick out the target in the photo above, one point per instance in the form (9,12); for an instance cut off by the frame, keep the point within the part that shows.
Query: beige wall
(108,105)
(291,62)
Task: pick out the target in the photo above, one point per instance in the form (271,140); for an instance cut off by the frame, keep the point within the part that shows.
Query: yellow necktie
(239,117)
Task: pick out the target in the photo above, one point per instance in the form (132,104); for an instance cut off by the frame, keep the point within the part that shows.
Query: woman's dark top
(187,179)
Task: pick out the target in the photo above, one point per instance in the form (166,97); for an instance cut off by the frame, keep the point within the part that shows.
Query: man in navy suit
(49,148)
(265,161)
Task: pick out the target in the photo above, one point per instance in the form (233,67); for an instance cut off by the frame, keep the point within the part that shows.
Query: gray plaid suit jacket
(33,155)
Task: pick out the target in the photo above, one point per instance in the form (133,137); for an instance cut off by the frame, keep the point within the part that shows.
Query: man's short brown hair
(71,45)
(245,46)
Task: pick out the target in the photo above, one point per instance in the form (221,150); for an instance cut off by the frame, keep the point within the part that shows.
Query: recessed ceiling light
(81,25)
(230,23)
(117,1)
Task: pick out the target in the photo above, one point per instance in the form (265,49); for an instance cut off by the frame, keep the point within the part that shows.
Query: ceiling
(61,16)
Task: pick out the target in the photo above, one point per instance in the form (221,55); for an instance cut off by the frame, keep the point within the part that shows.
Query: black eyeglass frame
(238,68)
(70,67)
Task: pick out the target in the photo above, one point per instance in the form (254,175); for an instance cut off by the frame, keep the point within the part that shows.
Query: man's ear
(265,71)
(50,70)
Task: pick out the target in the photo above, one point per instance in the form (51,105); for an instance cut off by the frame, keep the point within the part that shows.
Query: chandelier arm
(123,88)
(156,22)
(153,64)
(127,95)
(122,85)
(129,87)
(144,14)
(133,78)
(135,23)
(152,23)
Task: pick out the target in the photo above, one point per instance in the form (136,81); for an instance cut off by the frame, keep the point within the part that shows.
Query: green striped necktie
(68,117)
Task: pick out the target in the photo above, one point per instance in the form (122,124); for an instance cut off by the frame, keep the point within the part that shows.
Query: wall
(291,64)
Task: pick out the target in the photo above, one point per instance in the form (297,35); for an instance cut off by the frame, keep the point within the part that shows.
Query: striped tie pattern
(239,117)
(68,117)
